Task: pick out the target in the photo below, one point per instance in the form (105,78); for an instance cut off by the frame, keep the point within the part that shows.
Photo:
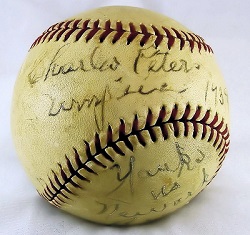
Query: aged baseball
(120,115)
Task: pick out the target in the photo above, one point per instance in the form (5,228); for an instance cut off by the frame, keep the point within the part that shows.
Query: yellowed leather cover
(120,115)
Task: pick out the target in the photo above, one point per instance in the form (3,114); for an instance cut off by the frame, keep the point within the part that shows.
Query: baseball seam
(196,125)
(78,28)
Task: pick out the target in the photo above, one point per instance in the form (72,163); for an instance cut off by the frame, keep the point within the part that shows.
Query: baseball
(120,115)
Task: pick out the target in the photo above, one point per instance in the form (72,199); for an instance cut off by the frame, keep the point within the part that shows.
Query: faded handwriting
(199,160)
(128,176)
(116,209)
(98,104)
(205,176)
(146,61)
(93,62)
(217,94)
(37,70)
(154,172)
(151,60)
(179,200)
(142,91)
(111,209)
(184,160)
(128,215)
(164,191)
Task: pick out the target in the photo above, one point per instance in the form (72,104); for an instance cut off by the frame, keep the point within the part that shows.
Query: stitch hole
(52,185)
(186,129)
(171,38)
(191,42)
(195,129)
(152,134)
(218,128)
(95,29)
(214,121)
(45,195)
(146,34)
(206,116)
(219,144)
(133,33)
(142,43)
(186,113)
(204,132)
(87,150)
(197,113)
(117,149)
(135,126)
(97,143)
(107,31)
(82,31)
(164,131)
(109,135)
(123,137)
(48,192)
(217,138)
(158,35)
(98,163)
(121,129)
(149,118)
(107,156)
(174,113)
(56,179)
(141,139)
(182,41)
(161,116)
(77,158)
(60,201)
(176,128)
(64,176)
(211,135)
(120,32)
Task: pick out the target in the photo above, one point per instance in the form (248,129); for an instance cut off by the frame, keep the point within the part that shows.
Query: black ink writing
(142,91)
(127,217)
(217,94)
(184,158)
(122,179)
(111,208)
(152,173)
(153,60)
(199,160)
(94,62)
(98,104)
(165,191)
(205,176)
(178,201)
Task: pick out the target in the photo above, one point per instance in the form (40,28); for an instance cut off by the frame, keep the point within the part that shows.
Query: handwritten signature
(98,103)
(151,60)
(147,60)
(184,161)
(164,191)
(126,217)
(128,176)
(56,67)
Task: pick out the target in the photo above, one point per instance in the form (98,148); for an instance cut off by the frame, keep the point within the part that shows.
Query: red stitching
(88,29)
(220,142)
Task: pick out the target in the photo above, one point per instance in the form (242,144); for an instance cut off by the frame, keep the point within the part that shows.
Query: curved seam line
(67,26)
(58,192)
